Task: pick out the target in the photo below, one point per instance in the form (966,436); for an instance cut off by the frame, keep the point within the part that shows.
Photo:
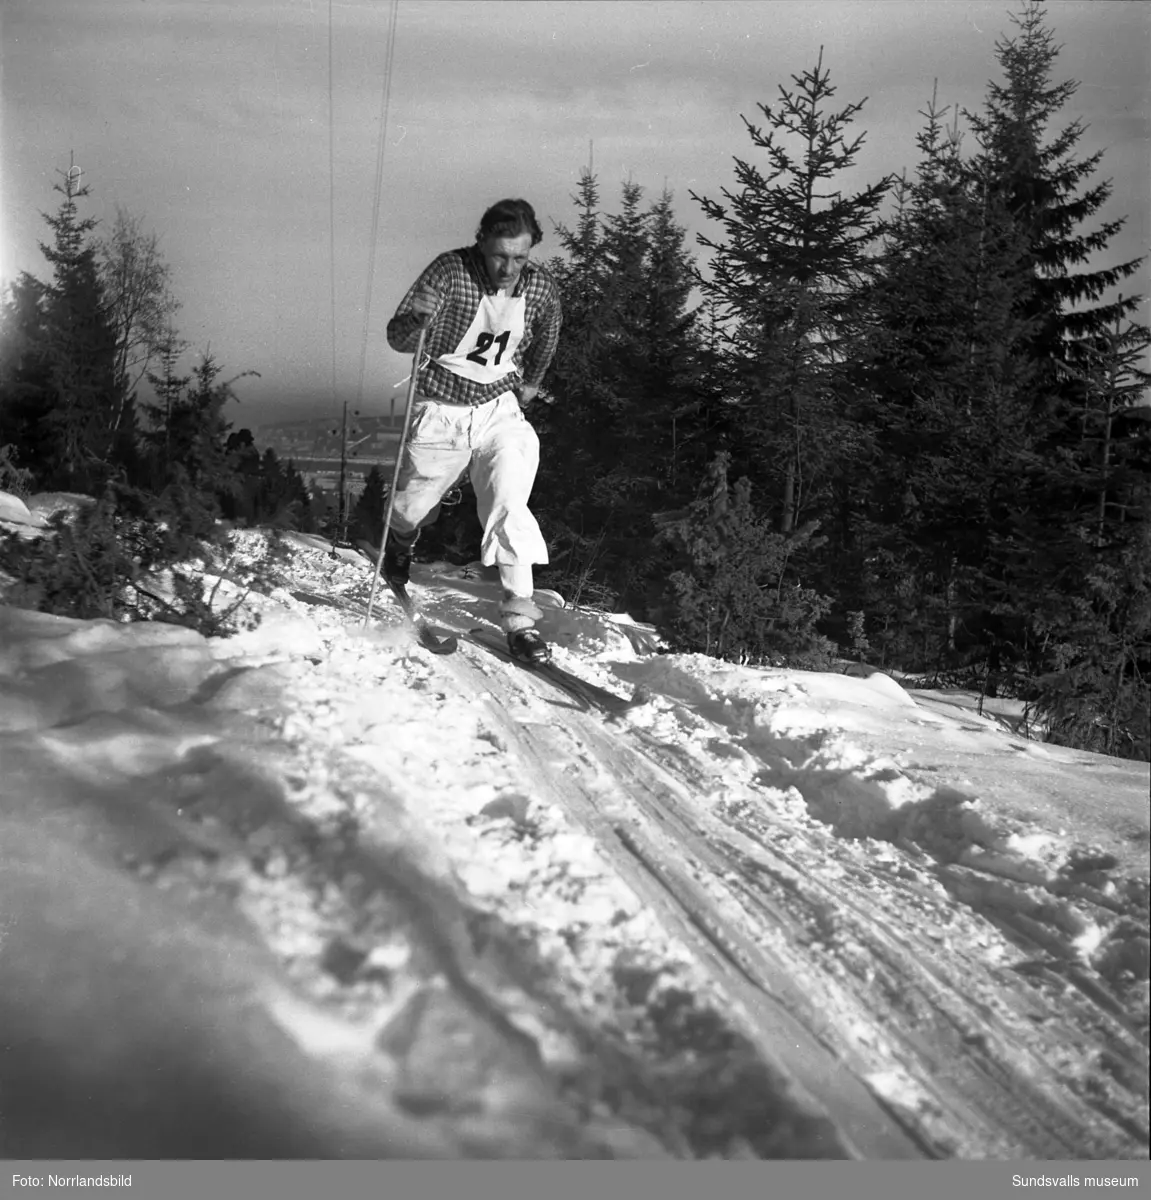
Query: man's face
(505,257)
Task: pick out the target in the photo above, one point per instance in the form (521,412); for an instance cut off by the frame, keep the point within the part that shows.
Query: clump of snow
(48,504)
(14,512)
(588,635)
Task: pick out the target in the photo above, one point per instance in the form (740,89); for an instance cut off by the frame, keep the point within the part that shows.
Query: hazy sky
(210,121)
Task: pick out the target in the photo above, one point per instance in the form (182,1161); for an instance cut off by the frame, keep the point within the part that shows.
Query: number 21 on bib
(486,352)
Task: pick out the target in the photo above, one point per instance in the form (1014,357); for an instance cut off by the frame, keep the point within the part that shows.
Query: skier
(493,319)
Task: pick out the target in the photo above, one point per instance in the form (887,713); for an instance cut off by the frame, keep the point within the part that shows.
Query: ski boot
(529,647)
(398,557)
(518,616)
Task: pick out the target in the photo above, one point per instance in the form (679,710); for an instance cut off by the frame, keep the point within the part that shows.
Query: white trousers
(499,449)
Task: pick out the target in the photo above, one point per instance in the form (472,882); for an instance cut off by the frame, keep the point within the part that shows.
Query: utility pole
(342,520)
(341,531)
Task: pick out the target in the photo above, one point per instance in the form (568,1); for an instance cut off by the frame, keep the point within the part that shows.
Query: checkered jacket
(460,280)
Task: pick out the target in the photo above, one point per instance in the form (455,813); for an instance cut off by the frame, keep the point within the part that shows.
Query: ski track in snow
(420,906)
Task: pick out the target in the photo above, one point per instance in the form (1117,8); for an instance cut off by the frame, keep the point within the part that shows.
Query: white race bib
(485,352)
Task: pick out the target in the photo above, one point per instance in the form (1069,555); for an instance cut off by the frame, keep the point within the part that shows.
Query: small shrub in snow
(735,597)
(132,556)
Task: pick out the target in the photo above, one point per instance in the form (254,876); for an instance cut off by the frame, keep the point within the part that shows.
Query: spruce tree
(186,446)
(682,377)
(1050,196)
(672,421)
(367,520)
(947,374)
(278,502)
(300,498)
(571,410)
(69,382)
(1005,530)
(1078,559)
(241,504)
(26,391)
(788,280)
(1073,555)
(169,388)
(626,389)
(614,476)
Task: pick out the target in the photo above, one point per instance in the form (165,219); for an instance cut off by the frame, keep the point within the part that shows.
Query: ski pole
(396,472)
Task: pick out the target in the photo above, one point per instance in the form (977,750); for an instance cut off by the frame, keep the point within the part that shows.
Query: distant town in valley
(313,446)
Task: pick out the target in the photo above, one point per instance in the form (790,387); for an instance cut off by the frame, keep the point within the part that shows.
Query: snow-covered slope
(344,897)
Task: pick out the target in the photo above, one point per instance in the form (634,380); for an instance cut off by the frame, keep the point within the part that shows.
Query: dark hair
(510,218)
